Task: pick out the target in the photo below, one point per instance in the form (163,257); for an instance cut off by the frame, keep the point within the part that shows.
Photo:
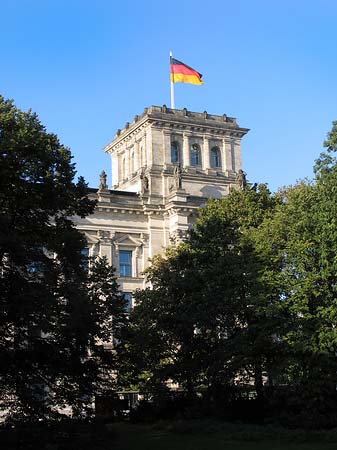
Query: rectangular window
(128,301)
(125,263)
(85,259)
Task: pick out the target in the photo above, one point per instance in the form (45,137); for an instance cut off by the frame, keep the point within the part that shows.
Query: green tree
(299,245)
(52,311)
(163,341)
(234,276)
(203,321)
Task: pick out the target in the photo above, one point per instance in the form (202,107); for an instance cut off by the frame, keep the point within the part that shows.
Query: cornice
(177,120)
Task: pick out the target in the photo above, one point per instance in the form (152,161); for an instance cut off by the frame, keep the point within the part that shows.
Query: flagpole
(172,84)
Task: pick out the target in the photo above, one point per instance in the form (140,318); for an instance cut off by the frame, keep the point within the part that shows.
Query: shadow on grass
(200,434)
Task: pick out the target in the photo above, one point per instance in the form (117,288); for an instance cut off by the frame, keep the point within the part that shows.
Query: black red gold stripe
(180,72)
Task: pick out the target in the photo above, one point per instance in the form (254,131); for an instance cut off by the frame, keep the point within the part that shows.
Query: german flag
(181,73)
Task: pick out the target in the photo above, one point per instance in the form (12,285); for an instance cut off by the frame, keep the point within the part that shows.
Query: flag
(180,72)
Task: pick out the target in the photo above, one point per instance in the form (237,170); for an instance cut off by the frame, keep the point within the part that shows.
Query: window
(85,258)
(195,155)
(215,157)
(175,153)
(128,301)
(37,257)
(125,263)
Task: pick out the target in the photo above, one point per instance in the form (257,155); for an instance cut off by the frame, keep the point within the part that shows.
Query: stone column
(120,168)
(115,259)
(155,229)
(105,245)
(205,154)
(237,155)
(143,146)
(137,156)
(145,257)
(227,163)
(141,155)
(127,163)
(186,150)
(148,147)
(166,233)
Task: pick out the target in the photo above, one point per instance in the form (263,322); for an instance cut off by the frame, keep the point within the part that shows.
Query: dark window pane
(125,263)
(175,152)
(215,157)
(85,258)
(195,155)
(128,301)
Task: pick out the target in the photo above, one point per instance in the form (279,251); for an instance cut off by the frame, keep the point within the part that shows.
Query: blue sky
(87,67)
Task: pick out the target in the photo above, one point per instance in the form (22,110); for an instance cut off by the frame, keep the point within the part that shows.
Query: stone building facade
(165,164)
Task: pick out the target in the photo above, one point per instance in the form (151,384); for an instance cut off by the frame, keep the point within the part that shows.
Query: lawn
(129,437)
(178,435)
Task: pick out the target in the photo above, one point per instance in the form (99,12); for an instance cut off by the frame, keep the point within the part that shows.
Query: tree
(52,310)
(251,295)
(203,321)
(234,276)
(163,342)
(300,243)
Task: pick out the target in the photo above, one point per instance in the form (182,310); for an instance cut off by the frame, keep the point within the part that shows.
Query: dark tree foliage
(207,318)
(52,311)
(250,298)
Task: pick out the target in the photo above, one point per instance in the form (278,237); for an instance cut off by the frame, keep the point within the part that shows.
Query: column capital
(187,134)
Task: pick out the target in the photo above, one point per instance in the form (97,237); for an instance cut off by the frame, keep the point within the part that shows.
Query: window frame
(175,147)
(195,154)
(129,305)
(215,157)
(85,258)
(125,264)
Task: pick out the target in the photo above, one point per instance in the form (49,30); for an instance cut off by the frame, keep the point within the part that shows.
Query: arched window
(195,155)
(175,153)
(215,157)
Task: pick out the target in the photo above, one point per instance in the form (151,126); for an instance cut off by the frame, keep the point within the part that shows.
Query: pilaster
(205,154)
(127,163)
(137,156)
(227,161)
(105,245)
(237,155)
(186,150)
(148,147)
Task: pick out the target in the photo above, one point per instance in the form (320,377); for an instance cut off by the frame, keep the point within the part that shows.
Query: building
(165,165)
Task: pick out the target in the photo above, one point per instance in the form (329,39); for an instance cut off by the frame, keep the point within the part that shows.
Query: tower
(165,164)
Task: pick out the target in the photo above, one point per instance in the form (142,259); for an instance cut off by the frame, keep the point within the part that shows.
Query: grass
(216,436)
(173,435)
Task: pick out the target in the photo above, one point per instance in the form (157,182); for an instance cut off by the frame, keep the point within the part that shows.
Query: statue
(241,180)
(144,183)
(177,173)
(102,181)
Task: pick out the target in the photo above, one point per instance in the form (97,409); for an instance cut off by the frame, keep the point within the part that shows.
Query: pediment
(128,240)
